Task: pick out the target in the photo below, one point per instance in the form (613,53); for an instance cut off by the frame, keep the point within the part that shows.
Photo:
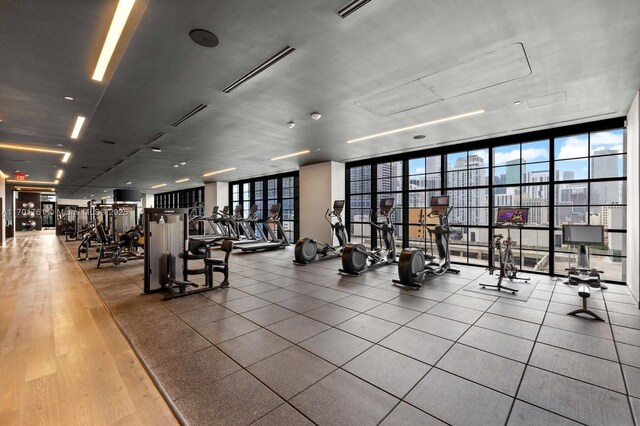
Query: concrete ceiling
(567,62)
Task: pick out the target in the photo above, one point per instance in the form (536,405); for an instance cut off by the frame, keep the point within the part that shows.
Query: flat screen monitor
(514,215)
(387,203)
(587,235)
(338,204)
(439,204)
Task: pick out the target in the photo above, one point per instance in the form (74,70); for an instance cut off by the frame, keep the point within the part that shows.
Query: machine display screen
(387,202)
(515,215)
(582,234)
(338,204)
(440,200)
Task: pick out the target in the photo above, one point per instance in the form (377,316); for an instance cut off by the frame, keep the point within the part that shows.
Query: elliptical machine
(508,218)
(414,265)
(306,249)
(356,258)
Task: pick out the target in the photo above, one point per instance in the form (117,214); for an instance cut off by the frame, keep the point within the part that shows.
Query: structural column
(633,202)
(320,185)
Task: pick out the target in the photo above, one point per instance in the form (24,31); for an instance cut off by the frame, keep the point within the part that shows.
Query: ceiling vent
(154,138)
(257,70)
(189,115)
(132,153)
(351,7)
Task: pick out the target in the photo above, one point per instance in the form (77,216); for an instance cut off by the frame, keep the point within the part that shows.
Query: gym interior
(335,212)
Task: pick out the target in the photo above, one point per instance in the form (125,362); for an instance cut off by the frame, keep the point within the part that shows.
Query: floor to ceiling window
(567,175)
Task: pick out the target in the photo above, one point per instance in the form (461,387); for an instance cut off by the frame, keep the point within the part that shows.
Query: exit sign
(20,176)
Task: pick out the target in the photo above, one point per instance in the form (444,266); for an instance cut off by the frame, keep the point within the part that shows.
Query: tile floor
(295,345)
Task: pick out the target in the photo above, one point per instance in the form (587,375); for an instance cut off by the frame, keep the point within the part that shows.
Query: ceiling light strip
(218,172)
(33,188)
(182,180)
(351,7)
(115,31)
(35,182)
(65,154)
(159,186)
(3,175)
(59,174)
(306,151)
(257,70)
(77,127)
(416,126)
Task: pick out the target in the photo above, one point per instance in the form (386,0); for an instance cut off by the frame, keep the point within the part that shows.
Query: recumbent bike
(308,250)
(357,259)
(414,266)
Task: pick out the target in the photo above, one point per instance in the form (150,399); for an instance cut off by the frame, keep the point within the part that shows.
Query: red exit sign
(20,176)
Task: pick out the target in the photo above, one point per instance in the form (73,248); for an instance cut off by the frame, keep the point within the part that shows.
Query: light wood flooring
(62,358)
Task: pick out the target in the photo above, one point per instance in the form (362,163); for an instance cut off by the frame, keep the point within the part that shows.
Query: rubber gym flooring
(290,344)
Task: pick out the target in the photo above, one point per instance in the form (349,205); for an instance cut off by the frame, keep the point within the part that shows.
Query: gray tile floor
(298,345)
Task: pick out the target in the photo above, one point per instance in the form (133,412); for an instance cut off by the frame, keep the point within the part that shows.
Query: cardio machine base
(498,287)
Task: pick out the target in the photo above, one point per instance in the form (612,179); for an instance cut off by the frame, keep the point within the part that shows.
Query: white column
(633,201)
(320,185)
(5,210)
(147,201)
(215,194)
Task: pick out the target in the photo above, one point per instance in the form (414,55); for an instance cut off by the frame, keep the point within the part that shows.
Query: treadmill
(245,227)
(273,228)
(219,222)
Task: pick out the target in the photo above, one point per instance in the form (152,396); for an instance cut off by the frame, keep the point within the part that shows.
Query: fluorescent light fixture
(33,188)
(36,149)
(77,127)
(35,182)
(416,126)
(218,171)
(306,151)
(182,180)
(115,31)
(129,183)
(159,186)
(59,174)
(69,98)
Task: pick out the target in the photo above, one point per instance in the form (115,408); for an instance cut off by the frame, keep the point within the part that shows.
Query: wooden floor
(63,361)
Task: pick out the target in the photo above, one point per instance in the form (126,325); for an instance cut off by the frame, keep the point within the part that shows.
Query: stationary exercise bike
(356,258)
(414,265)
(507,218)
(307,249)
(583,275)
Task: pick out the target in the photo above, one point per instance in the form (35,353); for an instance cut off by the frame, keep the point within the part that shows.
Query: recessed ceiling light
(128,183)
(59,174)
(316,115)
(291,124)
(115,31)
(69,98)
(77,127)
(306,151)
(218,171)
(158,186)
(176,165)
(517,103)
(182,180)
(26,175)
(415,126)
(156,150)
(91,195)
(419,137)
(104,190)
(183,163)
(59,144)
